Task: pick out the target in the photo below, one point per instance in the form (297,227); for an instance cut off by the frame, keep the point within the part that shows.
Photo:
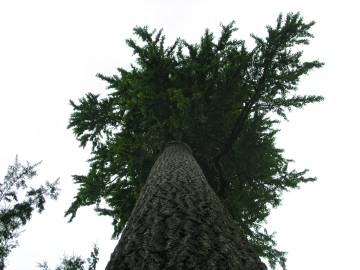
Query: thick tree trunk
(178,223)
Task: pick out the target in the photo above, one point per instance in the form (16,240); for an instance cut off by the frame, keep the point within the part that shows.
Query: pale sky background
(50,52)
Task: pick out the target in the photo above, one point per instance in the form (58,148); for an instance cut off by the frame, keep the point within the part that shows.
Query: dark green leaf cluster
(220,98)
(18,200)
(75,262)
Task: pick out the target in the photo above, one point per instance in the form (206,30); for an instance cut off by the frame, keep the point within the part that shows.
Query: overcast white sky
(50,52)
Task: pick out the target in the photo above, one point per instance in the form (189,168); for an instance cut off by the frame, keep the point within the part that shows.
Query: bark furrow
(178,223)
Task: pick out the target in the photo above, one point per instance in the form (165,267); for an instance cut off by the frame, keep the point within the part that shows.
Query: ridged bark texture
(178,223)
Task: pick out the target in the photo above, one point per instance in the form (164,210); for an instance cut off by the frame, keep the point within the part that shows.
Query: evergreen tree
(217,96)
(18,199)
(75,262)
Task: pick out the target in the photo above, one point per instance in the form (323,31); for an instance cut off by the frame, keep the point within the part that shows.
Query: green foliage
(75,262)
(18,200)
(220,98)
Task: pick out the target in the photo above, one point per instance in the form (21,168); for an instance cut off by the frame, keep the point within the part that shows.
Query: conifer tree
(75,262)
(217,96)
(19,197)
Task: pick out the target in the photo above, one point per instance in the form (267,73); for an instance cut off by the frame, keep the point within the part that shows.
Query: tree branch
(240,121)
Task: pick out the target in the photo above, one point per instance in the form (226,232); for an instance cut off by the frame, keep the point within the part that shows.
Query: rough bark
(178,222)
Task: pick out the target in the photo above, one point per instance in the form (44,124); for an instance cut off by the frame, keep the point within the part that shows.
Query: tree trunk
(178,223)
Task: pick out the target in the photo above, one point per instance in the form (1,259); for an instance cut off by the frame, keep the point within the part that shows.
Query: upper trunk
(178,222)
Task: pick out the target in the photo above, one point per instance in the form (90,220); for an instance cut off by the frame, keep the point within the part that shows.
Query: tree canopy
(75,262)
(219,97)
(19,197)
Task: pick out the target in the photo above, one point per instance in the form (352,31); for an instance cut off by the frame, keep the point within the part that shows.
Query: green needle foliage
(75,262)
(18,199)
(218,96)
